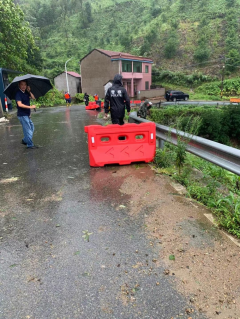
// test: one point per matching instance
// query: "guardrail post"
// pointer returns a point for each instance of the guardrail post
(131, 120)
(159, 143)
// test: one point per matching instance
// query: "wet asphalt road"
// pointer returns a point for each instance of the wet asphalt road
(47, 269)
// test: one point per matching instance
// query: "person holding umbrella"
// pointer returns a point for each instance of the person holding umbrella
(22, 88)
(22, 99)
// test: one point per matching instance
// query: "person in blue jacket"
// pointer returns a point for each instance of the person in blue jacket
(22, 99)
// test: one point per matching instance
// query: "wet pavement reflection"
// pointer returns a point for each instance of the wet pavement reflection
(47, 269)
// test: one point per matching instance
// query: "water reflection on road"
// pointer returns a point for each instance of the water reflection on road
(47, 269)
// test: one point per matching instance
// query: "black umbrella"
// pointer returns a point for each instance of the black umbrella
(39, 85)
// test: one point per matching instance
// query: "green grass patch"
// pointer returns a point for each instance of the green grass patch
(206, 183)
(219, 124)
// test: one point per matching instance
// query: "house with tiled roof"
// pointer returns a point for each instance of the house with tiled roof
(99, 66)
(74, 82)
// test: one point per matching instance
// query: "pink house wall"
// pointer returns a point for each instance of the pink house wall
(146, 76)
(139, 78)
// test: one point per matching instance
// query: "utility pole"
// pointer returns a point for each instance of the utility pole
(66, 74)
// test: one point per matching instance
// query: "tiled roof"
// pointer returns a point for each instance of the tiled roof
(117, 55)
(76, 75)
(111, 53)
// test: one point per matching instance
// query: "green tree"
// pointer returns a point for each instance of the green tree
(125, 39)
(16, 40)
(231, 37)
(171, 46)
(201, 53)
(155, 9)
(87, 15)
(151, 36)
(230, 3)
(88, 12)
(233, 60)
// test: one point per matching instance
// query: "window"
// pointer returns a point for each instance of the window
(137, 67)
(126, 66)
(147, 85)
(146, 69)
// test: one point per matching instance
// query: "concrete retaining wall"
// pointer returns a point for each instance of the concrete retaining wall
(150, 93)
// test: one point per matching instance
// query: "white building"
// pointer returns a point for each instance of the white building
(74, 82)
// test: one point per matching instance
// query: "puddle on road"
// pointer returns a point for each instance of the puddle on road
(106, 185)
(209, 273)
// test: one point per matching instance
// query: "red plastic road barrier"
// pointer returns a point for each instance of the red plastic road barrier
(121, 144)
(91, 103)
(235, 100)
(6, 105)
(137, 102)
(93, 106)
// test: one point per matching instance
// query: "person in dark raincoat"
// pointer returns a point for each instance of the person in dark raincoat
(118, 99)
(144, 109)
(86, 99)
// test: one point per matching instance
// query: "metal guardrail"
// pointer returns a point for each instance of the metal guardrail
(224, 156)
(197, 103)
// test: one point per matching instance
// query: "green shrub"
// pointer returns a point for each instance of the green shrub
(201, 54)
(180, 78)
(214, 127)
(170, 48)
(228, 211)
(200, 193)
(233, 118)
(163, 158)
(230, 87)
(214, 187)
(217, 124)
(80, 98)
(52, 98)
(233, 62)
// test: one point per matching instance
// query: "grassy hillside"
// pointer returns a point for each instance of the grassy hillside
(180, 35)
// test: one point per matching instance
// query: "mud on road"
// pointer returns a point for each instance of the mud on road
(206, 265)
(113, 242)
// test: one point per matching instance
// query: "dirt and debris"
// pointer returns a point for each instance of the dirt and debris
(206, 263)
